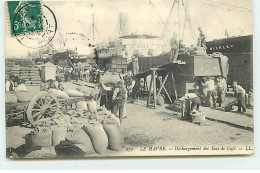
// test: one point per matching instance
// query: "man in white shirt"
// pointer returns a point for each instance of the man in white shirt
(195, 100)
(240, 94)
(9, 85)
(103, 94)
(190, 100)
(210, 87)
(21, 86)
(221, 89)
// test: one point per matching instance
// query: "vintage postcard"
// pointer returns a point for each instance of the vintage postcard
(112, 78)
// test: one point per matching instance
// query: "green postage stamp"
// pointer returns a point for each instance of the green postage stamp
(25, 17)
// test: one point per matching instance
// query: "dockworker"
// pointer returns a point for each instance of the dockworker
(174, 47)
(209, 86)
(135, 64)
(103, 94)
(240, 94)
(87, 73)
(51, 84)
(221, 89)
(9, 85)
(119, 98)
(181, 44)
(136, 89)
(130, 83)
(22, 86)
(98, 75)
(201, 39)
(60, 86)
(191, 100)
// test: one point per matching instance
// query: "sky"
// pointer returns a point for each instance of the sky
(145, 17)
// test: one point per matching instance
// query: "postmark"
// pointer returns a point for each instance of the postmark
(41, 39)
(25, 17)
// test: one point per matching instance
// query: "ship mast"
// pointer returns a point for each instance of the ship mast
(182, 21)
(93, 29)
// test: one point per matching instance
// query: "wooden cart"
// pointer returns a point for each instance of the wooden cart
(41, 106)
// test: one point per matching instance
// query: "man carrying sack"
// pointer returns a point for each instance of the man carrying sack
(119, 98)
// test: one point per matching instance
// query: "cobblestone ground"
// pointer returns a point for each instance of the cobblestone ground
(145, 127)
(161, 127)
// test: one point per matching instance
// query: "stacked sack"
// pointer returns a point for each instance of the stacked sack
(102, 127)
(78, 133)
(7, 73)
(50, 131)
(24, 75)
(30, 75)
(15, 71)
(35, 77)
(88, 91)
(198, 51)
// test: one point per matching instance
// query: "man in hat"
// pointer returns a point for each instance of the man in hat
(9, 85)
(119, 98)
(240, 94)
(209, 86)
(221, 89)
(201, 39)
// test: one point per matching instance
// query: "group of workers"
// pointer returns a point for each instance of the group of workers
(205, 93)
(15, 84)
(87, 74)
(177, 45)
(113, 98)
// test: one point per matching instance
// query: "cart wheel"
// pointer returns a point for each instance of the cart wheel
(42, 106)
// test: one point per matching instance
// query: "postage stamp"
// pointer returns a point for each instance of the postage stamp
(42, 38)
(25, 17)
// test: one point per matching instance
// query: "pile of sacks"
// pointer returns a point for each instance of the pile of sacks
(30, 75)
(197, 51)
(79, 92)
(21, 96)
(26, 96)
(78, 133)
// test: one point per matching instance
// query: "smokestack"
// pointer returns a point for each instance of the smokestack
(123, 24)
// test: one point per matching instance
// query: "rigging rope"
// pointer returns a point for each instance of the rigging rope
(205, 3)
(165, 37)
(229, 5)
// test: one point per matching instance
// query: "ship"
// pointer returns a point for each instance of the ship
(239, 50)
(116, 55)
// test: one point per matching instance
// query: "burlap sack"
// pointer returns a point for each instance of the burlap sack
(58, 134)
(110, 79)
(59, 93)
(74, 93)
(98, 137)
(78, 136)
(114, 136)
(42, 137)
(26, 96)
(10, 98)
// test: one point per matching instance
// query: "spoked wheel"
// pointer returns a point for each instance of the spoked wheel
(42, 106)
